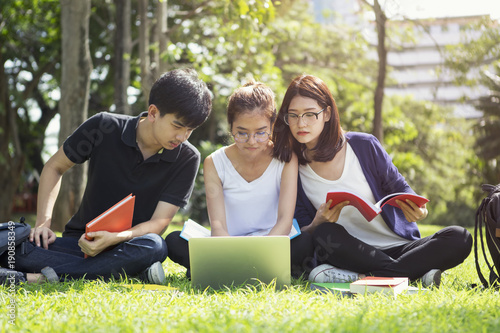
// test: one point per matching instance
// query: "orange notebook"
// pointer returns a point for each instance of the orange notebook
(115, 219)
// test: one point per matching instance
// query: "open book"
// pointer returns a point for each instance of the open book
(115, 219)
(386, 285)
(192, 229)
(369, 210)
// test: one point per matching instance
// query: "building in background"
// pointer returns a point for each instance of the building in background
(416, 66)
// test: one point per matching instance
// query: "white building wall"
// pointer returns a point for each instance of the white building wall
(417, 66)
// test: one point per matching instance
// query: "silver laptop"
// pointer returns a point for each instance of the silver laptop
(232, 261)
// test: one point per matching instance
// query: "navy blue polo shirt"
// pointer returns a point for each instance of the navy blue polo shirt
(116, 168)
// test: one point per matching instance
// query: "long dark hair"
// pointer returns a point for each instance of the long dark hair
(331, 139)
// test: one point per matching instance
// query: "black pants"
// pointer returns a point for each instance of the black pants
(301, 248)
(443, 250)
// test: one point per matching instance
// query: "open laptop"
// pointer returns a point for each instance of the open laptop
(232, 261)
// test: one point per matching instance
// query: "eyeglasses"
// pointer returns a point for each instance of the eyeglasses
(243, 137)
(308, 118)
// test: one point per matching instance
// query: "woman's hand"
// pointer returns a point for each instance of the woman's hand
(412, 212)
(326, 214)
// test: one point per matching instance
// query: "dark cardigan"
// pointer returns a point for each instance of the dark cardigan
(383, 178)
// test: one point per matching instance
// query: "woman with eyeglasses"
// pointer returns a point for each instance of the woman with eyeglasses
(346, 246)
(249, 192)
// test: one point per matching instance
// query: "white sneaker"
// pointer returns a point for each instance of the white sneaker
(432, 278)
(155, 273)
(328, 273)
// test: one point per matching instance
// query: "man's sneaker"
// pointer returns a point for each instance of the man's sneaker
(328, 273)
(432, 278)
(9, 276)
(50, 274)
(155, 274)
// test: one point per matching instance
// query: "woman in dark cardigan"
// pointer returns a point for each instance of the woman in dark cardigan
(346, 246)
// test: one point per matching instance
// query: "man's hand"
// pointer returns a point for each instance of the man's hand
(42, 235)
(101, 240)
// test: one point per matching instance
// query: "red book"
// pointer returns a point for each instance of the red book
(368, 209)
(115, 219)
(386, 285)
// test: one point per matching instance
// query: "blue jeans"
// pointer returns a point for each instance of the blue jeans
(65, 256)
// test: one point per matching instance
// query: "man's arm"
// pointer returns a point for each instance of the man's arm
(163, 214)
(50, 184)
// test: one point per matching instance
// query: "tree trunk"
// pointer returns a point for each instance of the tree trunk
(73, 106)
(162, 29)
(123, 50)
(144, 54)
(380, 20)
(11, 154)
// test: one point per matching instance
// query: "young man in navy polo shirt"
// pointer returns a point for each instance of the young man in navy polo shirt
(148, 156)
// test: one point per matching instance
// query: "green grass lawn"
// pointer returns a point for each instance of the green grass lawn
(96, 306)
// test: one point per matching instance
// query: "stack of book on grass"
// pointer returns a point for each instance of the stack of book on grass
(386, 285)
(371, 284)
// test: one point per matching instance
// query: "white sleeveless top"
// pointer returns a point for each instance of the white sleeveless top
(376, 232)
(251, 207)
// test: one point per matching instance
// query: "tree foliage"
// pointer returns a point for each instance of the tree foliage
(476, 60)
(227, 42)
(428, 145)
(478, 49)
(30, 44)
(488, 126)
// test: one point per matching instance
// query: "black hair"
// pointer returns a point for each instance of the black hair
(182, 93)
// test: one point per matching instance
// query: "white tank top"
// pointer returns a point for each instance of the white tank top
(251, 207)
